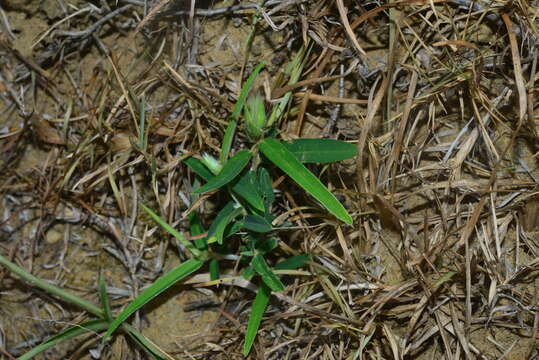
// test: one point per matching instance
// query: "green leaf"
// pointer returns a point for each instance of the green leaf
(293, 262)
(257, 311)
(266, 245)
(232, 229)
(196, 228)
(160, 285)
(227, 140)
(268, 276)
(172, 231)
(257, 224)
(231, 169)
(103, 296)
(198, 168)
(224, 217)
(246, 188)
(248, 272)
(278, 154)
(214, 269)
(83, 304)
(149, 347)
(236, 111)
(321, 150)
(265, 185)
(294, 69)
(89, 326)
(51, 289)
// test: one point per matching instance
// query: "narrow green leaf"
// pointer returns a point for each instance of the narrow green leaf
(268, 276)
(248, 272)
(223, 218)
(227, 140)
(265, 185)
(278, 154)
(89, 326)
(214, 269)
(236, 111)
(259, 307)
(51, 289)
(321, 150)
(293, 262)
(257, 224)
(172, 231)
(198, 168)
(294, 69)
(246, 188)
(233, 228)
(196, 228)
(264, 246)
(103, 296)
(231, 169)
(149, 347)
(160, 285)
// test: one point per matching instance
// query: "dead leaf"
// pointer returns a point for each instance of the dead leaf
(48, 133)
(389, 215)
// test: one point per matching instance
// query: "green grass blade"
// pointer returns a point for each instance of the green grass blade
(267, 245)
(196, 253)
(103, 296)
(160, 285)
(247, 188)
(265, 185)
(196, 228)
(259, 307)
(75, 300)
(149, 347)
(257, 224)
(214, 269)
(198, 168)
(51, 289)
(238, 107)
(227, 140)
(223, 218)
(293, 262)
(278, 154)
(230, 171)
(93, 326)
(236, 111)
(294, 69)
(268, 276)
(321, 150)
(248, 272)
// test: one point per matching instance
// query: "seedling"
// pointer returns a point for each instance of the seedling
(245, 178)
(242, 227)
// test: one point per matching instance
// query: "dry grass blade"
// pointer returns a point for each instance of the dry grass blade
(519, 79)
(348, 28)
(104, 105)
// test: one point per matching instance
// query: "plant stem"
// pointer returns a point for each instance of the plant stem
(52, 289)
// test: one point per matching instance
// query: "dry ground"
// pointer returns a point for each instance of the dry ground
(440, 97)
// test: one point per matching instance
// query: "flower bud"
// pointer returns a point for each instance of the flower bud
(211, 163)
(255, 117)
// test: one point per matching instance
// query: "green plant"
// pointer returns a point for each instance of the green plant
(245, 179)
(247, 216)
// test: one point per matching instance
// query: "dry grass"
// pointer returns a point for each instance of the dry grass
(440, 96)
